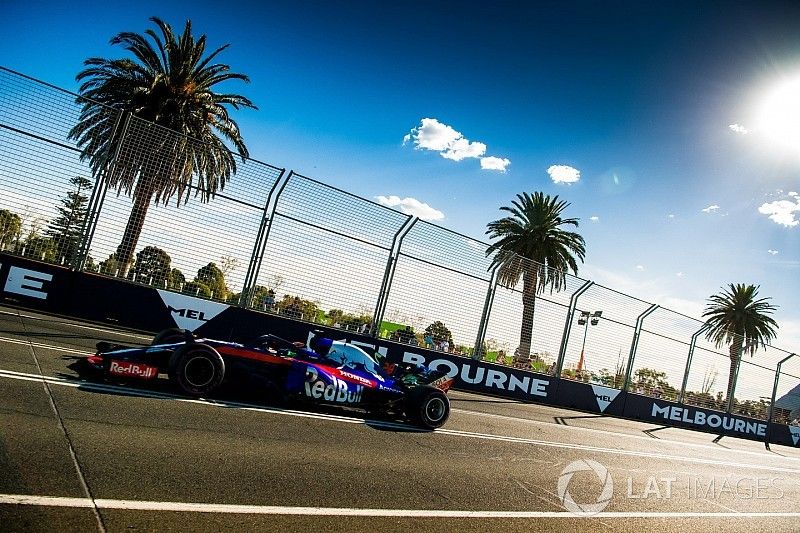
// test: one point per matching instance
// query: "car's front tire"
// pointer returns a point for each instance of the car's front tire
(196, 369)
(428, 407)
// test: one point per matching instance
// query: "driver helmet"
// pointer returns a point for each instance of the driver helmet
(321, 345)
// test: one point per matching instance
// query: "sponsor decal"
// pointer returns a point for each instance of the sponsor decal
(336, 391)
(27, 282)
(488, 377)
(795, 431)
(356, 377)
(443, 383)
(604, 396)
(189, 312)
(134, 370)
(697, 417)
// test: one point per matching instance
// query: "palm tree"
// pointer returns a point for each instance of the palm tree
(169, 84)
(737, 318)
(533, 246)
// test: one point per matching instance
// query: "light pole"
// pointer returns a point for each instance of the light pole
(586, 319)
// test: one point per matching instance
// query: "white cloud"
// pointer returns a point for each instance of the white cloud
(564, 174)
(494, 163)
(711, 208)
(594, 218)
(411, 206)
(782, 211)
(772, 252)
(738, 128)
(639, 267)
(679, 274)
(792, 193)
(451, 144)
(671, 215)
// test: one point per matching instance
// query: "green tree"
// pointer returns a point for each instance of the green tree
(176, 280)
(65, 230)
(39, 247)
(297, 307)
(197, 289)
(212, 277)
(533, 246)
(439, 332)
(10, 228)
(736, 317)
(110, 266)
(170, 81)
(152, 266)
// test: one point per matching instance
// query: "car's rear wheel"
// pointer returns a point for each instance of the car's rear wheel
(170, 336)
(197, 369)
(428, 407)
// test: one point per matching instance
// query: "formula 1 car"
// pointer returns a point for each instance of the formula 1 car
(325, 372)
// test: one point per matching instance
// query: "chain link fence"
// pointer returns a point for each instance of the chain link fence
(292, 245)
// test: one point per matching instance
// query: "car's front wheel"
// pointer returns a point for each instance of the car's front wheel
(197, 369)
(428, 407)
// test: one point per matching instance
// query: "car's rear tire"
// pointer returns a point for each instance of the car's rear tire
(170, 336)
(428, 407)
(196, 369)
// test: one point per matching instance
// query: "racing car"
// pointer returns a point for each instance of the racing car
(325, 372)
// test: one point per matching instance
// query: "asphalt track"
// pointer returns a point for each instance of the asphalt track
(83, 456)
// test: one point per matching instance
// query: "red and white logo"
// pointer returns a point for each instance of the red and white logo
(132, 370)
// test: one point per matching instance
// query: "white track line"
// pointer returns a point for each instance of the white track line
(80, 326)
(136, 505)
(618, 434)
(45, 346)
(394, 425)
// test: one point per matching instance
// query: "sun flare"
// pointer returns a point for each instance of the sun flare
(779, 115)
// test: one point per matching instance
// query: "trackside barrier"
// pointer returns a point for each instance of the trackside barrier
(53, 289)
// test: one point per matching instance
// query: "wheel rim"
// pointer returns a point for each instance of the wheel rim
(199, 371)
(435, 409)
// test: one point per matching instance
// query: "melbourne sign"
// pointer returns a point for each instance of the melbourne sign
(479, 376)
(708, 421)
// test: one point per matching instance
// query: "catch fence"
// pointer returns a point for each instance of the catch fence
(290, 244)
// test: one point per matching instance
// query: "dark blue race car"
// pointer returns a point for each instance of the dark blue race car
(326, 372)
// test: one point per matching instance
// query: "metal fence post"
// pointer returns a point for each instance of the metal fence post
(98, 195)
(635, 344)
(692, 345)
(388, 275)
(254, 266)
(477, 352)
(573, 303)
(772, 400)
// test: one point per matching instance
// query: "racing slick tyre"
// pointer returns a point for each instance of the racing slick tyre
(169, 336)
(197, 369)
(428, 407)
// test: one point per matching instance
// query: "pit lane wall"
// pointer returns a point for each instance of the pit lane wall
(52, 289)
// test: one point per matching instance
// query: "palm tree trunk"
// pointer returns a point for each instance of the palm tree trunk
(141, 202)
(528, 307)
(735, 352)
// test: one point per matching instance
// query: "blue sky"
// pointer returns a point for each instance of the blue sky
(639, 98)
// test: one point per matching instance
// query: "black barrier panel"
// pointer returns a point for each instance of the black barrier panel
(61, 291)
(685, 416)
(593, 398)
(36, 285)
(53, 289)
(480, 376)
